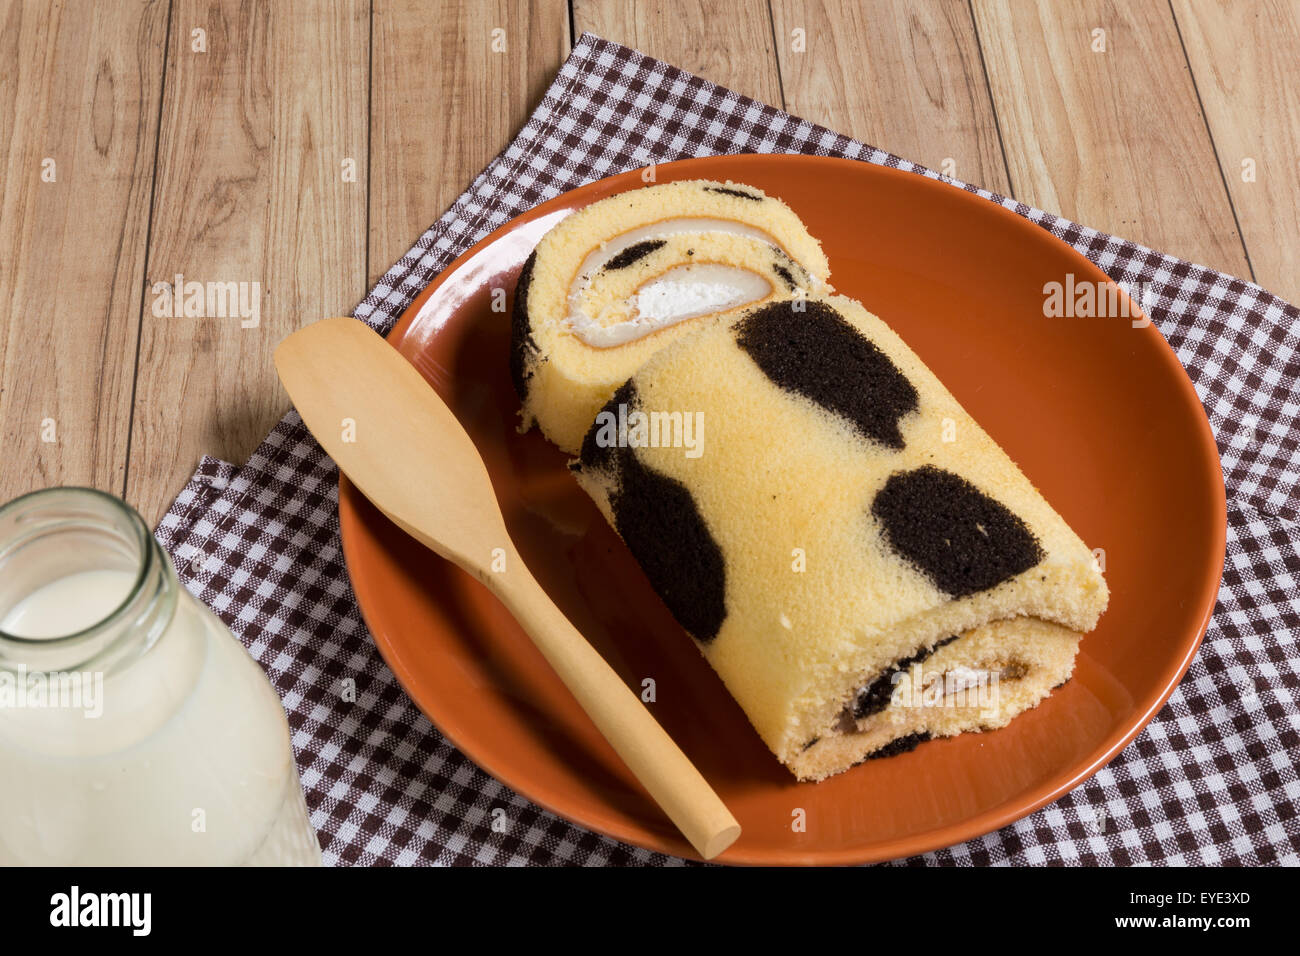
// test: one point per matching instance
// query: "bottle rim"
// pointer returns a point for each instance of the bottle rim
(148, 549)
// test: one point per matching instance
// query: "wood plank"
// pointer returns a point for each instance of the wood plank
(78, 86)
(902, 76)
(250, 189)
(729, 43)
(1243, 57)
(447, 95)
(1112, 139)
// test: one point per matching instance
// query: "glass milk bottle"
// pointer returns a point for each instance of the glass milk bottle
(134, 728)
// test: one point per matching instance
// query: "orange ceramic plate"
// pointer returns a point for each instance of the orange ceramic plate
(1100, 416)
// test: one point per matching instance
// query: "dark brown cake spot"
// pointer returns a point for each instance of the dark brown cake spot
(635, 252)
(593, 454)
(902, 745)
(1016, 670)
(784, 275)
(523, 348)
(738, 193)
(816, 353)
(960, 538)
(875, 696)
(657, 518)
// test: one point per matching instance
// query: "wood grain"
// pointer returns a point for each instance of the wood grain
(447, 95)
(903, 76)
(248, 185)
(78, 86)
(1244, 59)
(1112, 139)
(728, 43)
(250, 189)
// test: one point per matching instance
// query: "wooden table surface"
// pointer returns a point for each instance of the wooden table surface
(305, 145)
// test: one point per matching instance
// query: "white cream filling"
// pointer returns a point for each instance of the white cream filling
(683, 292)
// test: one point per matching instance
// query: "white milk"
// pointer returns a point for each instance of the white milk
(69, 604)
(187, 762)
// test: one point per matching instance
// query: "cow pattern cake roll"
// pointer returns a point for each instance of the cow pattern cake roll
(616, 281)
(836, 530)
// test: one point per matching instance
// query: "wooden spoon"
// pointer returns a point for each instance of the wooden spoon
(405, 451)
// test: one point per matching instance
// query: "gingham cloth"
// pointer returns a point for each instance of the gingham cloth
(1213, 778)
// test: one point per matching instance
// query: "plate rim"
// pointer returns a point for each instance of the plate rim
(615, 825)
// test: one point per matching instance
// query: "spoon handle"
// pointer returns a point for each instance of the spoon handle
(618, 713)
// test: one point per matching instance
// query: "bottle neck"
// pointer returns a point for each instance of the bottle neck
(49, 536)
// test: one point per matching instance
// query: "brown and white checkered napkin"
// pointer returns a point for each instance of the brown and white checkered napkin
(1212, 780)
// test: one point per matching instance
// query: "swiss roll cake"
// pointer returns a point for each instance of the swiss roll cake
(862, 565)
(626, 276)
